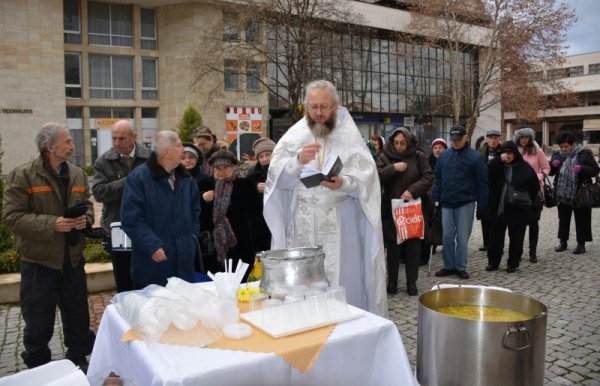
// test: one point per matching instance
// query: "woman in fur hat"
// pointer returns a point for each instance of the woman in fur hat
(524, 138)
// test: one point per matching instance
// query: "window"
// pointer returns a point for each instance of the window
(253, 77)
(71, 21)
(575, 71)
(230, 26)
(232, 75)
(75, 125)
(148, 33)
(253, 32)
(111, 77)
(115, 112)
(72, 75)
(594, 69)
(557, 73)
(110, 24)
(149, 79)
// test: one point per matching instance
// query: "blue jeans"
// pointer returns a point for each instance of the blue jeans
(457, 225)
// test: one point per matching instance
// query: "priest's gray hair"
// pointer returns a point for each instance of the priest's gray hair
(164, 140)
(48, 134)
(321, 84)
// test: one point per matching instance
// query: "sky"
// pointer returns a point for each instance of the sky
(584, 37)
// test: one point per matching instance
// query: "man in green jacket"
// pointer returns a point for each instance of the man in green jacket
(47, 206)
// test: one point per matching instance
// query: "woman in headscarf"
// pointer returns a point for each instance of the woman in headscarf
(524, 138)
(206, 141)
(192, 160)
(263, 148)
(405, 174)
(572, 165)
(509, 171)
(228, 206)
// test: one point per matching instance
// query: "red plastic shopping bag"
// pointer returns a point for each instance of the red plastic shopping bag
(408, 218)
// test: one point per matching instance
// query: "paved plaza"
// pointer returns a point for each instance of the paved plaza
(569, 285)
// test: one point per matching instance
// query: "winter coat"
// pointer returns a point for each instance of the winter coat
(109, 181)
(461, 177)
(155, 216)
(32, 204)
(523, 178)
(243, 209)
(487, 153)
(585, 158)
(538, 162)
(417, 179)
(260, 231)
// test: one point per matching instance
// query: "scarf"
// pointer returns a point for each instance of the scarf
(223, 234)
(566, 185)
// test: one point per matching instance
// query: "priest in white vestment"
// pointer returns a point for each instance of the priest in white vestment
(344, 214)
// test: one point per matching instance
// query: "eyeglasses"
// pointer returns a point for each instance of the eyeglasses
(323, 108)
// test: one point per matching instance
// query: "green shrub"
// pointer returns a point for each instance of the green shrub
(94, 252)
(89, 170)
(10, 261)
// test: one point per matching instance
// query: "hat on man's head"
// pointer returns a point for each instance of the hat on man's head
(457, 133)
(261, 145)
(493, 132)
(222, 157)
(439, 141)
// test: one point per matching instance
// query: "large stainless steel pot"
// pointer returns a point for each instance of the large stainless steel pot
(289, 270)
(456, 351)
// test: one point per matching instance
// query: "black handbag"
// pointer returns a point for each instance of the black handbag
(549, 193)
(517, 198)
(588, 195)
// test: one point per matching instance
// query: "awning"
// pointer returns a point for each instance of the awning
(591, 124)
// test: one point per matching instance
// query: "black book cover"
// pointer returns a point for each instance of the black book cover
(330, 169)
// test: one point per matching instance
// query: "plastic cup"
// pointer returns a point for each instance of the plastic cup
(256, 301)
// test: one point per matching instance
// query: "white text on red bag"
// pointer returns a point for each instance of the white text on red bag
(408, 218)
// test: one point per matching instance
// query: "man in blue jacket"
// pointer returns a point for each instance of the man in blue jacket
(161, 215)
(461, 179)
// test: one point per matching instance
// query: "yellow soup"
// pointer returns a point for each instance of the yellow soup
(483, 313)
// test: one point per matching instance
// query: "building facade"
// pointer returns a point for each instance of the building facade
(89, 63)
(581, 75)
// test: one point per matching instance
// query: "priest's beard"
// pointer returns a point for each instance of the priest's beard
(322, 129)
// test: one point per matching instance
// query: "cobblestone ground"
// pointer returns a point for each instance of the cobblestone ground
(567, 284)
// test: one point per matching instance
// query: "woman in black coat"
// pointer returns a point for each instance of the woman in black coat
(501, 214)
(228, 207)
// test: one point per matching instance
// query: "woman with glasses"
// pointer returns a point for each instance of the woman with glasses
(404, 174)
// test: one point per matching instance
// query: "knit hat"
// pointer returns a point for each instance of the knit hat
(524, 132)
(261, 145)
(222, 157)
(191, 148)
(439, 141)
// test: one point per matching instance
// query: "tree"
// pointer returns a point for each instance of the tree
(506, 39)
(191, 120)
(292, 41)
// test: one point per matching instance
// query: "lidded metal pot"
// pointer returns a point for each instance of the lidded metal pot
(290, 270)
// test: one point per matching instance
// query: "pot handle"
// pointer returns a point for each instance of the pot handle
(518, 331)
(451, 281)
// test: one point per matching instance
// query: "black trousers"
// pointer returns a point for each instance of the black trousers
(42, 289)
(516, 236)
(410, 250)
(534, 234)
(485, 232)
(583, 223)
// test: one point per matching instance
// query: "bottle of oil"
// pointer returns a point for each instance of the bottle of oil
(256, 273)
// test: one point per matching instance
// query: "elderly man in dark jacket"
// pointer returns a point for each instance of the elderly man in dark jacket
(460, 180)
(160, 213)
(112, 169)
(46, 205)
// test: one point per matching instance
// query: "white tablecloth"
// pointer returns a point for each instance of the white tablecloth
(364, 351)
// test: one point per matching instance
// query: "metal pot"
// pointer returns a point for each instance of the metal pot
(289, 270)
(457, 351)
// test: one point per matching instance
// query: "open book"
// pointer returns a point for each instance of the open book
(312, 177)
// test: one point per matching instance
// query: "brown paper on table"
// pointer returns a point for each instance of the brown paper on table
(299, 350)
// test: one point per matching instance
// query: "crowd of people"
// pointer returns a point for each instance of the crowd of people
(187, 208)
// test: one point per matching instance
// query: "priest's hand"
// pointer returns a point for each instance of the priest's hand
(308, 153)
(335, 184)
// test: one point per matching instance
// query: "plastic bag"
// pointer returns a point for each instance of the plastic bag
(408, 218)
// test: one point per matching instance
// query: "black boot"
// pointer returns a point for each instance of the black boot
(392, 288)
(411, 289)
(579, 249)
(393, 266)
(561, 246)
(532, 257)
